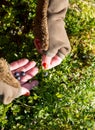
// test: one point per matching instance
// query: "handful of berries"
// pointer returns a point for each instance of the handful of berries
(18, 75)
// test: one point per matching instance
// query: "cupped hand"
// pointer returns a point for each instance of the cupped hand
(30, 69)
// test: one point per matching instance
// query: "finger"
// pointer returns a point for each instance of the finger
(16, 64)
(26, 67)
(29, 74)
(24, 91)
(51, 62)
(30, 85)
(46, 60)
(56, 60)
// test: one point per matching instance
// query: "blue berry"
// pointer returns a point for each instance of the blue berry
(22, 73)
(18, 78)
(16, 74)
(45, 74)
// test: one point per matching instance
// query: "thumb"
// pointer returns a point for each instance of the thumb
(24, 92)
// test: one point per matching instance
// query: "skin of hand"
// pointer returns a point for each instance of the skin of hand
(30, 69)
(49, 61)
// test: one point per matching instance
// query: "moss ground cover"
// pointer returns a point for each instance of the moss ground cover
(65, 97)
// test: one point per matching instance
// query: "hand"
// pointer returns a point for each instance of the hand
(47, 62)
(50, 62)
(30, 69)
(53, 44)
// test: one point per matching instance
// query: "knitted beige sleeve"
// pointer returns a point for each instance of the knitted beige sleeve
(9, 86)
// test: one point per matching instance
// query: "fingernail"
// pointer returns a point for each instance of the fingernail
(27, 94)
(45, 65)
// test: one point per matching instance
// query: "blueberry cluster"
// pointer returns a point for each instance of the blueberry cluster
(18, 75)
